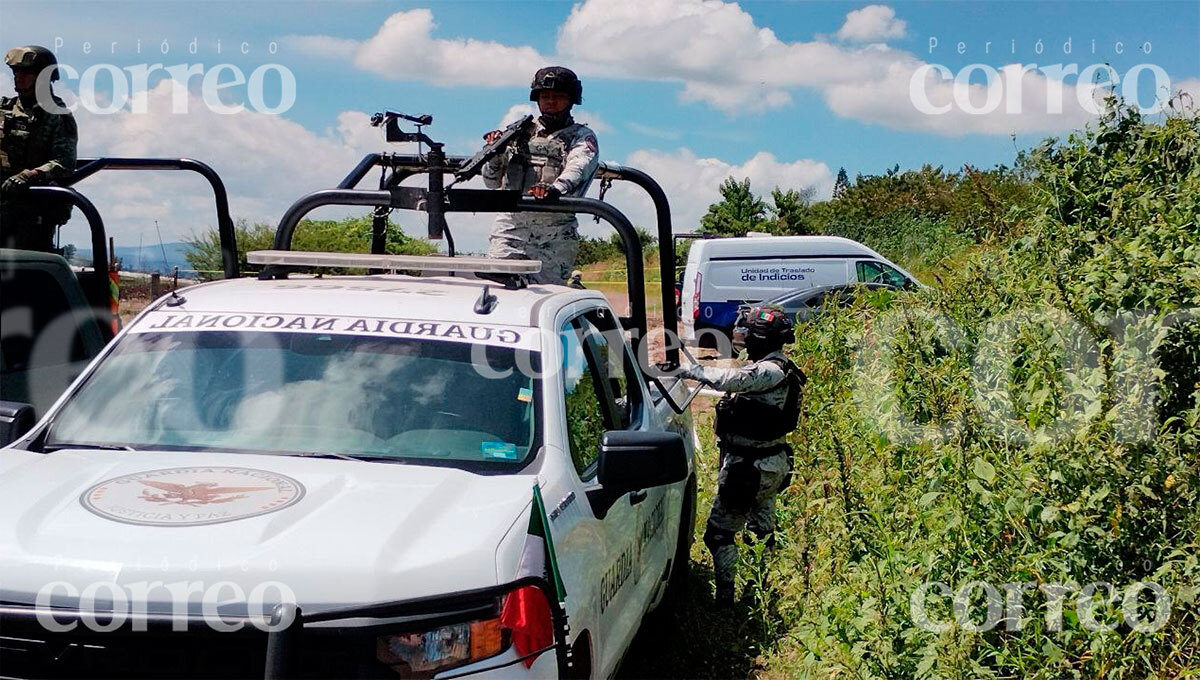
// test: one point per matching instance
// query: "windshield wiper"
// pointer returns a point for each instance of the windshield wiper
(59, 446)
(344, 456)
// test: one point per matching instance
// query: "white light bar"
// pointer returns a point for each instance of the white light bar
(490, 265)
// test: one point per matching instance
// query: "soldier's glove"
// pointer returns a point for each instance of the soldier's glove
(19, 181)
(544, 192)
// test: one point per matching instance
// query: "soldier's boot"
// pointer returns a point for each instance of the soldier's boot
(720, 543)
(509, 281)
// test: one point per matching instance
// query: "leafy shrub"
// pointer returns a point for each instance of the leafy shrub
(904, 478)
(350, 235)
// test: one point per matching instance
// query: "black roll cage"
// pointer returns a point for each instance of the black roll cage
(86, 167)
(96, 287)
(438, 200)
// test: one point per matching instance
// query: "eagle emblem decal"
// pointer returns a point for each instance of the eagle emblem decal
(194, 496)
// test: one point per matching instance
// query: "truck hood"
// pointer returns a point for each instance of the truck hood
(333, 532)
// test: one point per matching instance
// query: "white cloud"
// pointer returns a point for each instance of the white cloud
(888, 100)
(691, 183)
(515, 113)
(714, 48)
(718, 54)
(1191, 89)
(404, 49)
(265, 161)
(872, 23)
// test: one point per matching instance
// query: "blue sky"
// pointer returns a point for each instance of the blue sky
(691, 91)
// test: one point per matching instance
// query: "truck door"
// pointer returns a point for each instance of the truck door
(603, 391)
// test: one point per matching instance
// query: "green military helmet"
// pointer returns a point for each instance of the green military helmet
(768, 324)
(32, 58)
(559, 79)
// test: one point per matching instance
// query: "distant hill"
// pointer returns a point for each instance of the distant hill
(148, 259)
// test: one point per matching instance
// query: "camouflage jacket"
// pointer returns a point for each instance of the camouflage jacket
(764, 379)
(33, 138)
(566, 158)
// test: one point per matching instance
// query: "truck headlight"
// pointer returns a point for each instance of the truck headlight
(525, 623)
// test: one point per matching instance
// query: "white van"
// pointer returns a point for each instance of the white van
(723, 273)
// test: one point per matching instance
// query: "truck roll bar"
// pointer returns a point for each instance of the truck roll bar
(477, 200)
(97, 294)
(86, 167)
(403, 166)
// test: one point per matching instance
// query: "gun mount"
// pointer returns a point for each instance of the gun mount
(436, 199)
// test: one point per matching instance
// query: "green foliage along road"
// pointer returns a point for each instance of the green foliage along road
(349, 235)
(1032, 419)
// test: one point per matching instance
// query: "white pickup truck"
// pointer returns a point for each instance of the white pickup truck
(348, 476)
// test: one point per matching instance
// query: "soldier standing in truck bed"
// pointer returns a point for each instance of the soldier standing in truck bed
(37, 146)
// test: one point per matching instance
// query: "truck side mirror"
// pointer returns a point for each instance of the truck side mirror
(15, 420)
(633, 460)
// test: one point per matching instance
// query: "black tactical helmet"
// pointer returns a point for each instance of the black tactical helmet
(768, 324)
(559, 79)
(32, 58)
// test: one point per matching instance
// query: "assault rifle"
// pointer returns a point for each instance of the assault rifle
(513, 133)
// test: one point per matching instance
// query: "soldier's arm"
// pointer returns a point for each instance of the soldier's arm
(64, 140)
(493, 172)
(582, 160)
(753, 377)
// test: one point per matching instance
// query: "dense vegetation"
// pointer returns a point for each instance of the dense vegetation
(349, 235)
(1033, 418)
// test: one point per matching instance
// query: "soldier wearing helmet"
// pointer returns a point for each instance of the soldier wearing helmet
(37, 146)
(560, 159)
(760, 407)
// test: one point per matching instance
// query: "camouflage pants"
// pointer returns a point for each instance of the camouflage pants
(746, 490)
(553, 239)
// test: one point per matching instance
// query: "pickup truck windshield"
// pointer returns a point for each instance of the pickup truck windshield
(417, 401)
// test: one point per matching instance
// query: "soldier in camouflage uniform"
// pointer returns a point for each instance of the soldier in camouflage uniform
(36, 146)
(560, 160)
(753, 419)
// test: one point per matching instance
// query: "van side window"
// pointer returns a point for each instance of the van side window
(870, 271)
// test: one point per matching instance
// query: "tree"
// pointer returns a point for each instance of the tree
(349, 235)
(842, 184)
(790, 209)
(738, 211)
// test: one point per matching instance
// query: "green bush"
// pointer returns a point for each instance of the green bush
(904, 479)
(350, 235)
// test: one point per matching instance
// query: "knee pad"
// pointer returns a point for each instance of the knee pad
(716, 537)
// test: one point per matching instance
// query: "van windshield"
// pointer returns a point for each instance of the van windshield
(403, 400)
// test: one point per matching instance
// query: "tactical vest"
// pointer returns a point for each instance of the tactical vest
(20, 144)
(540, 162)
(740, 416)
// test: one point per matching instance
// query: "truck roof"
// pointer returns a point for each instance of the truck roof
(433, 298)
(783, 246)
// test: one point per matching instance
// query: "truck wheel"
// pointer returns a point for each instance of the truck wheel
(677, 582)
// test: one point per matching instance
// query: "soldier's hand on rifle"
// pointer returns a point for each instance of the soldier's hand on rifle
(492, 136)
(544, 192)
(19, 181)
